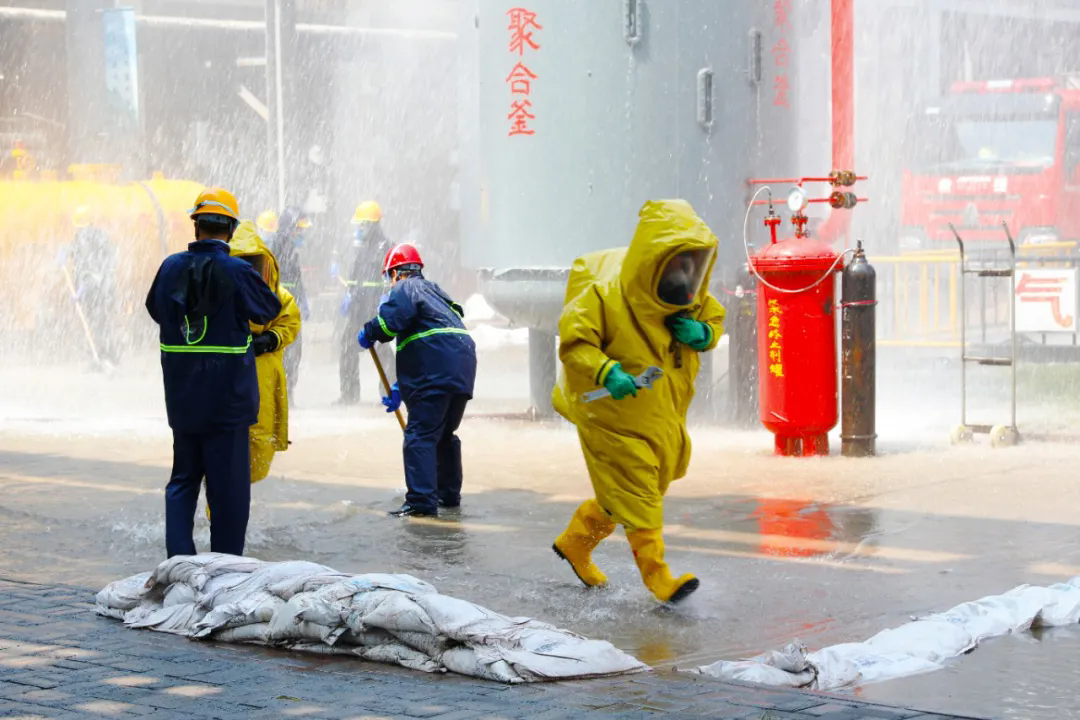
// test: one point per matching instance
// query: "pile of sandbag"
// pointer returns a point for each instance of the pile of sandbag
(917, 647)
(384, 618)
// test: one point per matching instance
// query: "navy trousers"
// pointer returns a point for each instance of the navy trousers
(223, 457)
(433, 451)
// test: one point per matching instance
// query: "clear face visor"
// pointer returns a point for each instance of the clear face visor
(261, 265)
(683, 275)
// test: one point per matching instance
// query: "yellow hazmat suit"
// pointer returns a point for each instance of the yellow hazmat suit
(270, 433)
(634, 447)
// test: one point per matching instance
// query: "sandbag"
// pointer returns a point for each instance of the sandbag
(256, 633)
(400, 655)
(119, 596)
(379, 617)
(916, 647)
(479, 662)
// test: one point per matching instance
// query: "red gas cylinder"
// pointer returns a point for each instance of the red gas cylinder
(797, 361)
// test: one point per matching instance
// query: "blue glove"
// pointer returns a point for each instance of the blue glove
(620, 383)
(365, 342)
(393, 402)
(691, 332)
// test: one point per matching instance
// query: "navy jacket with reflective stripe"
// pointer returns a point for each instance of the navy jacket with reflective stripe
(434, 350)
(203, 300)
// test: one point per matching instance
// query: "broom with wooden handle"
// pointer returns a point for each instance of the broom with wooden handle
(386, 384)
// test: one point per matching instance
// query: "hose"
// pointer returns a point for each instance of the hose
(750, 263)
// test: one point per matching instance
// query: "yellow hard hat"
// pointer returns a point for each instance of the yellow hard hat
(303, 223)
(267, 220)
(81, 217)
(367, 211)
(216, 201)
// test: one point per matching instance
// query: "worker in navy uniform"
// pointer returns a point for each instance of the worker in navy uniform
(203, 300)
(364, 290)
(436, 371)
(288, 240)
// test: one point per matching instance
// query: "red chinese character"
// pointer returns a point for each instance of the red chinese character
(780, 91)
(781, 9)
(521, 116)
(780, 53)
(1044, 289)
(520, 79)
(521, 20)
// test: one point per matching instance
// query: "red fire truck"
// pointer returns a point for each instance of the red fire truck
(987, 152)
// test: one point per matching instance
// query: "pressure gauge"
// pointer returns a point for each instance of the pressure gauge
(796, 200)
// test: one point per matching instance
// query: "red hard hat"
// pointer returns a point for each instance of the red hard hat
(399, 255)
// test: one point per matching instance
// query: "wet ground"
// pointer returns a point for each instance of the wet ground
(824, 550)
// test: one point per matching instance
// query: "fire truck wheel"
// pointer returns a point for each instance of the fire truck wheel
(961, 434)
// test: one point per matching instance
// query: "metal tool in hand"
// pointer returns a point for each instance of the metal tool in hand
(642, 381)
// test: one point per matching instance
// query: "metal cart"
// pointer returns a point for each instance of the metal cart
(1000, 435)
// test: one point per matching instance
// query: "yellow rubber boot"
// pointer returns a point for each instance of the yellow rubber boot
(648, 547)
(587, 528)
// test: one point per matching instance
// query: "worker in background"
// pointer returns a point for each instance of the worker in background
(436, 370)
(267, 226)
(288, 241)
(627, 309)
(205, 302)
(364, 290)
(94, 276)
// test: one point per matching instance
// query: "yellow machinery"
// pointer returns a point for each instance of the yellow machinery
(144, 220)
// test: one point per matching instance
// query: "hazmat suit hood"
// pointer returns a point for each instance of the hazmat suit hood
(666, 229)
(247, 244)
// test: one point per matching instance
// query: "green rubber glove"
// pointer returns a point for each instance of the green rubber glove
(620, 383)
(691, 332)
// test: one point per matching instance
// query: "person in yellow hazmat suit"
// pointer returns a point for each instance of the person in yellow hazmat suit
(270, 433)
(627, 309)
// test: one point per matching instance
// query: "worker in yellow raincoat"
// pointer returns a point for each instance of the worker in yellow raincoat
(270, 433)
(628, 309)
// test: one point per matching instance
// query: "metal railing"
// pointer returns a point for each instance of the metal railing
(918, 294)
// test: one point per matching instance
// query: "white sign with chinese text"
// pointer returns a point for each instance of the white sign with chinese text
(1046, 300)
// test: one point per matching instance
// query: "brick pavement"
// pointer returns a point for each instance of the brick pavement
(59, 660)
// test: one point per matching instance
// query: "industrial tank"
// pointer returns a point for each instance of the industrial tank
(575, 113)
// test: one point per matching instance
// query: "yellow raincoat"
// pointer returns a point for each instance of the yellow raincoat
(634, 447)
(270, 433)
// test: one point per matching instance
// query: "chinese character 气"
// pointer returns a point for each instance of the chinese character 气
(520, 79)
(1044, 289)
(521, 22)
(781, 10)
(780, 91)
(521, 116)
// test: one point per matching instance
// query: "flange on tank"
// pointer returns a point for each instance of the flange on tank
(576, 113)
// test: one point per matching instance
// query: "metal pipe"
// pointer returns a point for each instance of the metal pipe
(19, 13)
(843, 107)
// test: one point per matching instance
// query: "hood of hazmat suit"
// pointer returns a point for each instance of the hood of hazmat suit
(271, 432)
(635, 447)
